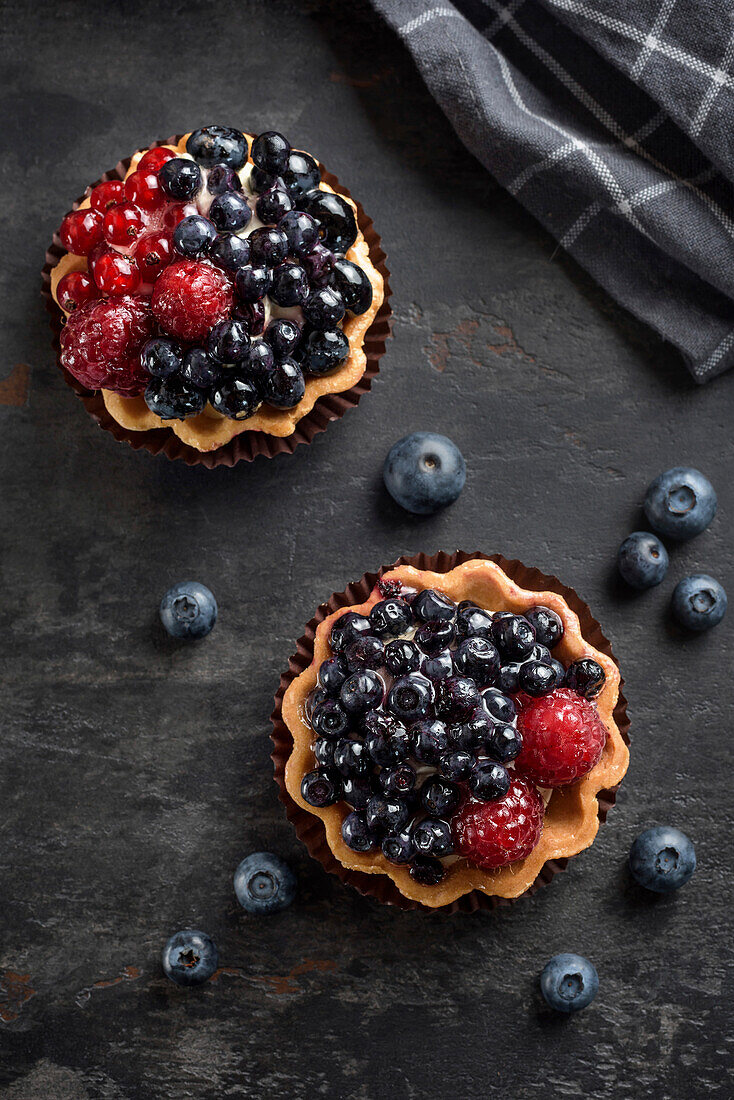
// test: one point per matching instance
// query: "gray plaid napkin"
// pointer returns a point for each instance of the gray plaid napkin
(612, 121)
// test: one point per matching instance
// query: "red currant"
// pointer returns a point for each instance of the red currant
(107, 194)
(81, 231)
(75, 289)
(154, 159)
(122, 224)
(116, 274)
(174, 214)
(152, 253)
(144, 190)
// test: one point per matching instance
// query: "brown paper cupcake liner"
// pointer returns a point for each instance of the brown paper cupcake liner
(247, 445)
(310, 829)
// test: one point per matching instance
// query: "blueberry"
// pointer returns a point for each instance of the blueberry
(270, 151)
(188, 610)
(230, 212)
(193, 236)
(537, 678)
(426, 871)
(560, 672)
(357, 834)
(324, 351)
(319, 264)
(253, 283)
(662, 859)
(548, 626)
(283, 336)
(172, 398)
(386, 813)
(257, 364)
(323, 751)
(586, 677)
(314, 699)
(432, 837)
(161, 357)
(456, 698)
(392, 617)
(353, 285)
(642, 560)
(400, 779)
(489, 781)
(190, 957)
(357, 790)
(680, 503)
(424, 472)
(514, 637)
(387, 725)
(499, 705)
(301, 231)
(538, 653)
(440, 665)
(235, 397)
(180, 178)
(362, 691)
(212, 145)
(321, 787)
(332, 674)
(698, 602)
(273, 204)
(509, 677)
(430, 605)
(324, 308)
(199, 369)
(285, 385)
(290, 285)
(430, 740)
(335, 217)
(473, 732)
(264, 883)
(439, 796)
(230, 251)
(222, 178)
(398, 847)
(386, 750)
(435, 636)
(329, 718)
(569, 983)
(351, 757)
(478, 658)
(457, 765)
(228, 341)
(268, 246)
(365, 652)
(300, 175)
(411, 697)
(503, 742)
(347, 628)
(473, 622)
(252, 313)
(402, 656)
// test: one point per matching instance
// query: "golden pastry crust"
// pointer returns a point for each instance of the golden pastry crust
(210, 430)
(571, 818)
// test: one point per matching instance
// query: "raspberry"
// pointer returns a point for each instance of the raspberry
(563, 738)
(493, 834)
(101, 342)
(189, 298)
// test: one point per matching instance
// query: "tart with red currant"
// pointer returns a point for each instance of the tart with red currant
(221, 287)
(454, 732)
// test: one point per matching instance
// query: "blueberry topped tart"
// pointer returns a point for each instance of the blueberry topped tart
(453, 732)
(221, 287)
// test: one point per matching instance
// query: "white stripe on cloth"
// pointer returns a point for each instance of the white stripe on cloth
(427, 17)
(717, 354)
(662, 17)
(713, 89)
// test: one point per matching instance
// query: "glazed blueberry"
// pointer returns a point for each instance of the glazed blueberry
(537, 678)
(435, 636)
(273, 204)
(357, 790)
(440, 665)
(324, 308)
(538, 653)
(324, 351)
(229, 251)
(499, 705)
(509, 677)
(353, 285)
(252, 313)
(357, 834)
(323, 751)
(338, 226)
(503, 743)
(432, 837)
(456, 698)
(329, 719)
(290, 285)
(560, 672)
(228, 341)
(362, 691)
(253, 283)
(548, 626)
(457, 765)
(478, 658)
(426, 871)
(402, 656)
(161, 357)
(411, 697)
(642, 560)
(285, 385)
(424, 472)
(680, 503)
(366, 652)
(473, 732)
(264, 884)
(314, 699)
(473, 622)
(172, 398)
(235, 397)
(430, 740)
(222, 178)
(319, 264)
(268, 246)
(430, 605)
(300, 176)
(351, 757)
(662, 859)
(489, 781)
(386, 813)
(188, 610)
(387, 725)
(586, 677)
(212, 145)
(390, 618)
(230, 212)
(569, 983)
(347, 628)
(514, 637)
(388, 751)
(301, 231)
(283, 336)
(321, 787)
(399, 847)
(194, 236)
(270, 151)
(332, 674)
(179, 178)
(190, 957)
(439, 796)
(257, 363)
(699, 602)
(398, 780)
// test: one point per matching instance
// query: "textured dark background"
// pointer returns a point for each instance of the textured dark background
(136, 773)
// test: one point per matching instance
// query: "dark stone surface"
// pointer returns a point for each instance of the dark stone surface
(135, 772)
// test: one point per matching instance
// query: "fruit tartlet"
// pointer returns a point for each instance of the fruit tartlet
(454, 732)
(221, 287)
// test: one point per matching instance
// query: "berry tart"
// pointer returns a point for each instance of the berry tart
(455, 734)
(219, 286)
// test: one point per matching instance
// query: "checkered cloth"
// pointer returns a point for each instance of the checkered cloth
(612, 121)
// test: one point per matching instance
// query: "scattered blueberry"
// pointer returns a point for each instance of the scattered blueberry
(698, 602)
(188, 610)
(386, 813)
(569, 983)
(680, 503)
(300, 176)
(499, 705)
(399, 847)
(391, 617)
(329, 718)
(514, 637)
(537, 678)
(264, 883)
(424, 472)
(357, 790)
(410, 697)
(426, 870)
(253, 283)
(430, 604)
(503, 743)
(319, 264)
(642, 560)
(398, 780)
(347, 628)
(430, 740)
(456, 698)
(662, 859)
(351, 757)
(432, 837)
(190, 957)
(402, 656)
(362, 691)
(268, 246)
(365, 652)
(439, 796)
